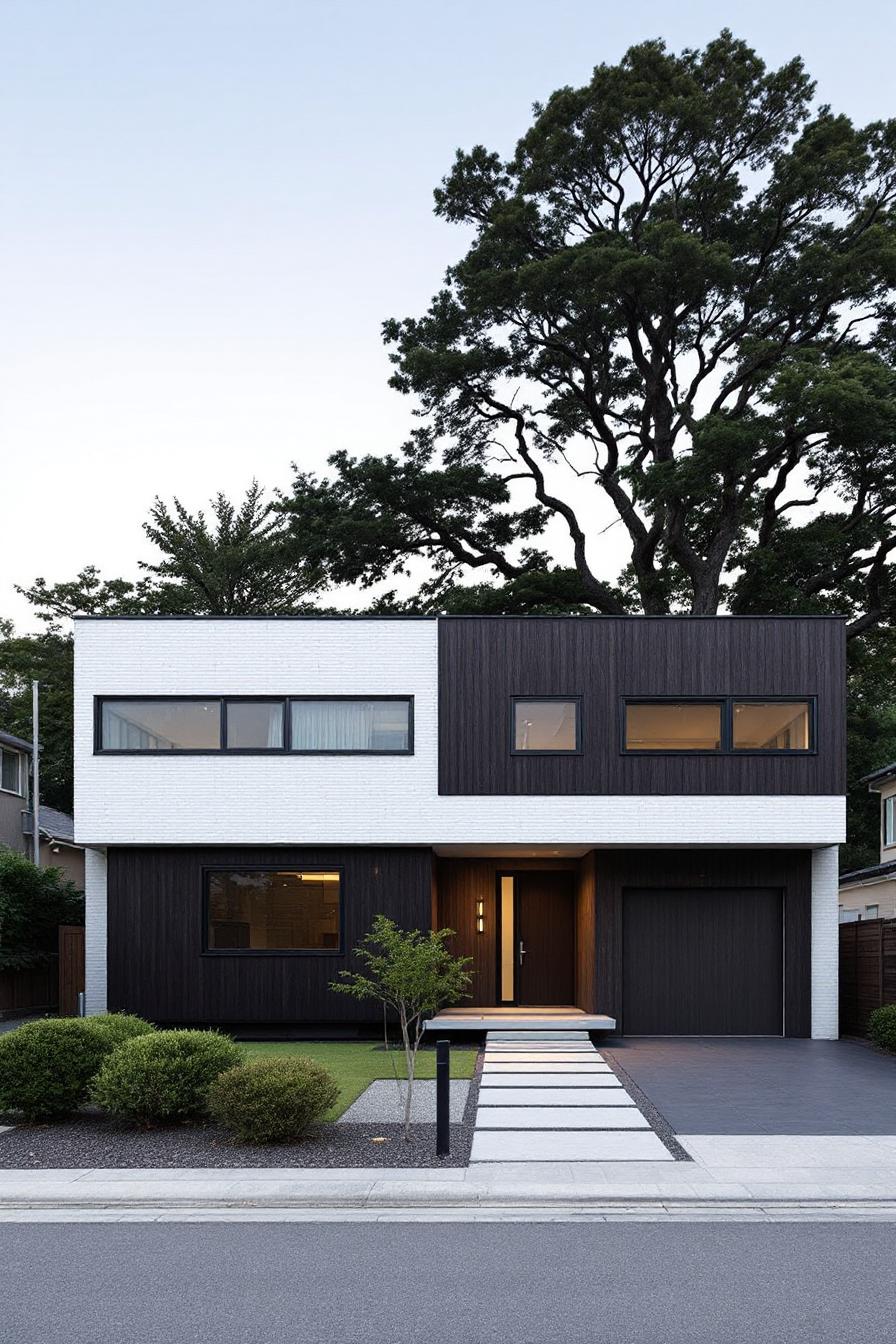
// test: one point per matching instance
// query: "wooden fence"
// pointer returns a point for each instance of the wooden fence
(867, 971)
(24, 992)
(51, 988)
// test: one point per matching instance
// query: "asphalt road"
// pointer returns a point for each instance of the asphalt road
(377, 1283)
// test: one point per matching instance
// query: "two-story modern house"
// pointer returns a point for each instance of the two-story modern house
(870, 893)
(638, 817)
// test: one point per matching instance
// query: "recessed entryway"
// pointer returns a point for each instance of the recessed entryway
(536, 912)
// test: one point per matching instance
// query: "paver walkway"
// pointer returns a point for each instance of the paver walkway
(551, 1097)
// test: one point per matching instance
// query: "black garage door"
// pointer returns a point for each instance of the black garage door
(702, 962)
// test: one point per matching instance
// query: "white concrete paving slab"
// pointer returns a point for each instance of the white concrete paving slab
(551, 1057)
(545, 1066)
(556, 1146)
(553, 1096)
(560, 1117)
(498, 1078)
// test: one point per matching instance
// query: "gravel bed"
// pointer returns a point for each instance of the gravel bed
(657, 1121)
(95, 1141)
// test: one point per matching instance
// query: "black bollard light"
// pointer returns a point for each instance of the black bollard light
(443, 1095)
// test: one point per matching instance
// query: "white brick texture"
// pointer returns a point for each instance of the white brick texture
(825, 945)
(95, 930)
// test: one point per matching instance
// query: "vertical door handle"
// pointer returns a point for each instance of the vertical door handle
(522, 951)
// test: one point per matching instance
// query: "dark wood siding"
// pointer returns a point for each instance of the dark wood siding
(155, 962)
(788, 871)
(483, 662)
(704, 962)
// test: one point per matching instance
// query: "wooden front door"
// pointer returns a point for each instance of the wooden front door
(545, 932)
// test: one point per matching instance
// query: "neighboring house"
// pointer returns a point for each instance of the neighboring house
(57, 829)
(15, 776)
(638, 816)
(870, 893)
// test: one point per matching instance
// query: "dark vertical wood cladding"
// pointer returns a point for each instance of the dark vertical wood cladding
(155, 962)
(483, 662)
(788, 871)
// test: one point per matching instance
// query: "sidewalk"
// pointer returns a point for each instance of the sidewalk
(750, 1176)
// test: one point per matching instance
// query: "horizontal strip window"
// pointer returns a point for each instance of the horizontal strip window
(546, 725)
(378, 725)
(729, 725)
(255, 911)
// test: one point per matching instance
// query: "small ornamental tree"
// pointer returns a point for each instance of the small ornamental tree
(413, 975)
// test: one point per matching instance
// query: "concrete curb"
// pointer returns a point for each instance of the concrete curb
(560, 1210)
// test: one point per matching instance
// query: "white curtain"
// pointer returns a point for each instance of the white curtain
(333, 725)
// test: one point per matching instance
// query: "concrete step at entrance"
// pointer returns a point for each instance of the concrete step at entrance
(538, 1035)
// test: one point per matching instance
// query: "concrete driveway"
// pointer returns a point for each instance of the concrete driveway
(716, 1085)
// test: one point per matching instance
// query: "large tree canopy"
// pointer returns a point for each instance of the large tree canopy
(677, 306)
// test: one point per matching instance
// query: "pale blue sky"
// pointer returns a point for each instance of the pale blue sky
(208, 207)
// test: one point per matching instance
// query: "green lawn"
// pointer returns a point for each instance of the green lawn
(357, 1063)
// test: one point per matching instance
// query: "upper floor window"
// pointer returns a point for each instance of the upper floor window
(673, 725)
(380, 725)
(160, 725)
(754, 725)
(272, 910)
(771, 725)
(890, 821)
(376, 725)
(546, 724)
(11, 772)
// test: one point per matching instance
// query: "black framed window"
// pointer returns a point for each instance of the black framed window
(254, 725)
(279, 910)
(381, 725)
(164, 724)
(727, 725)
(771, 725)
(11, 772)
(546, 725)
(344, 725)
(673, 725)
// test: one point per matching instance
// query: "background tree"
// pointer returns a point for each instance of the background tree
(677, 303)
(674, 324)
(33, 903)
(242, 560)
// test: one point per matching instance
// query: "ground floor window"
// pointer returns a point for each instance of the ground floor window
(268, 910)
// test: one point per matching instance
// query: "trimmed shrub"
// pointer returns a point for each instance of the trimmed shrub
(882, 1026)
(116, 1028)
(46, 1067)
(272, 1100)
(163, 1076)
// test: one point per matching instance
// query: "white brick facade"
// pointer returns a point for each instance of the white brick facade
(825, 945)
(95, 929)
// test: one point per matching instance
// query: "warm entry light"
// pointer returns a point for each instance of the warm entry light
(480, 916)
